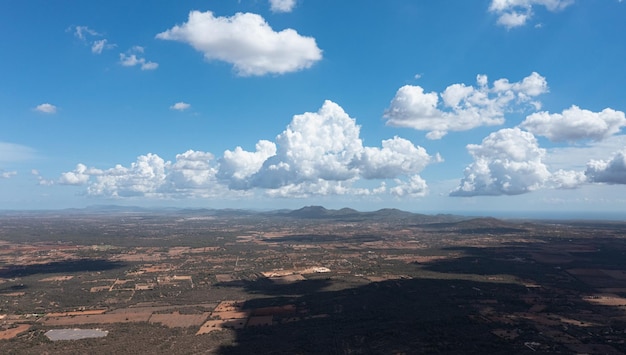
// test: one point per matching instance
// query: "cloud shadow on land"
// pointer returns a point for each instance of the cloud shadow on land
(399, 316)
(497, 300)
(276, 287)
(66, 266)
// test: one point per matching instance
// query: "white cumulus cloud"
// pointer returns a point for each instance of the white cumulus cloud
(612, 171)
(415, 186)
(40, 179)
(514, 18)
(180, 106)
(82, 32)
(516, 13)
(282, 5)
(462, 107)
(575, 124)
(79, 176)
(238, 165)
(397, 156)
(319, 153)
(98, 46)
(247, 41)
(133, 57)
(86, 36)
(143, 178)
(46, 108)
(567, 179)
(507, 162)
(315, 145)
(192, 174)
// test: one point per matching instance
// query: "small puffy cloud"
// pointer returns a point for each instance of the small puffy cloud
(98, 46)
(282, 5)
(462, 107)
(133, 57)
(575, 124)
(516, 13)
(86, 36)
(180, 106)
(506, 5)
(513, 19)
(40, 179)
(7, 174)
(130, 60)
(80, 175)
(612, 171)
(507, 162)
(247, 41)
(81, 32)
(46, 108)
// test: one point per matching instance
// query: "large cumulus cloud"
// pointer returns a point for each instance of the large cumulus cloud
(143, 178)
(462, 107)
(510, 162)
(247, 41)
(192, 174)
(507, 162)
(319, 153)
(322, 153)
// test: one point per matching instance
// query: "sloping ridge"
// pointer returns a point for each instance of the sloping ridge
(321, 212)
(386, 214)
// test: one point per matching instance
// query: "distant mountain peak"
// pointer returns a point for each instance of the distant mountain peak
(310, 212)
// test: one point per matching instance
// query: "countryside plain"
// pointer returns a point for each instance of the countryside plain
(110, 280)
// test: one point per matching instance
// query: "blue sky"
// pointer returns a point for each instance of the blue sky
(506, 107)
